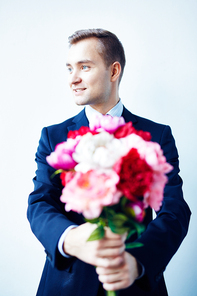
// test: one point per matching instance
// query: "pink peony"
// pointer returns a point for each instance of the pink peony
(106, 123)
(154, 196)
(88, 193)
(62, 158)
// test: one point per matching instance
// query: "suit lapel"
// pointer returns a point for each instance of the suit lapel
(81, 119)
(78, 121)
(128, 116)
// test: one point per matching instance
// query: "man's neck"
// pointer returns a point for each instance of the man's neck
(104, 109)
(115, 111)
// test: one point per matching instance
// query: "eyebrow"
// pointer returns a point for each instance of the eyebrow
(82, 62)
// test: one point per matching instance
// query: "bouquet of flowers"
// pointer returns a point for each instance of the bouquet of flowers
(111, 173)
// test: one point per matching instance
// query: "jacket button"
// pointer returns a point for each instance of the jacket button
(158, 277)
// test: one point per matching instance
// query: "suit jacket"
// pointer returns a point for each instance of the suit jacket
(48, 219)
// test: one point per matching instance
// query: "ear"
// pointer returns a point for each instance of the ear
(115, 71)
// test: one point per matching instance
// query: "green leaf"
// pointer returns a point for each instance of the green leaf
(138, 226)
(123, 201)
(109, 212)
(97, 234)
(134, 245)
(94, 221)
(119, 219)
(118, 230)
(117, 223)
(131, 232)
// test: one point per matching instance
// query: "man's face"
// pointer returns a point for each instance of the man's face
(89, 78)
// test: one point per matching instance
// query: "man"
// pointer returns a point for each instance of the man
(95, 64)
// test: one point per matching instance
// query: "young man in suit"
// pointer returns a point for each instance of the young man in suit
(95, 64)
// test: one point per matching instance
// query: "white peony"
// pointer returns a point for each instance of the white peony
(100, 151)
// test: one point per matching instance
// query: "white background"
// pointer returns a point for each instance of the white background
(159, 83)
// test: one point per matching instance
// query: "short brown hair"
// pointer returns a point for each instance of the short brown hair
(111, 50)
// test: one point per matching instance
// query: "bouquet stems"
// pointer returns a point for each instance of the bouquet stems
(111, 293)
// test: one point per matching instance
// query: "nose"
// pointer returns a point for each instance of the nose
(74, 78)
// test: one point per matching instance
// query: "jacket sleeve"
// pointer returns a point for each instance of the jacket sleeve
(45, 212)
(165, 233)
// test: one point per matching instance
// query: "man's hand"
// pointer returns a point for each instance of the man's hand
(120, 276)
(116, 268)
(107, 252)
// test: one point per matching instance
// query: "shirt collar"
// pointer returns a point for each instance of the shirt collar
(115, 111)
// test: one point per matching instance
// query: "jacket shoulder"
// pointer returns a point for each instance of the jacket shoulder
(68, 122)
(57, 133)
(140, 123)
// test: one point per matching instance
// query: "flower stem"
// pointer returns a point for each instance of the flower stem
(111, 293)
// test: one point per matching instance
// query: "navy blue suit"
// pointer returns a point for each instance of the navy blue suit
(48, 219)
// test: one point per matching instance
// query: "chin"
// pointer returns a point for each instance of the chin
(80, 103)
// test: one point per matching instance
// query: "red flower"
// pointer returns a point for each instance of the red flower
(82, 131)
(146, 136)
(135, 175)
(66, 177)
(127, 129)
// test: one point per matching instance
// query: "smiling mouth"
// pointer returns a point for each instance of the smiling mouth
(78, 89)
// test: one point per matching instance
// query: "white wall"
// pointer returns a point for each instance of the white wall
(159, 83)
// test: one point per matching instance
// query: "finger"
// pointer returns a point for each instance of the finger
(111, 251)
(109, 262)
(115, 286)
(111, 235)
(106, 270)
(124, 237)
(115, 282)
(110, 278)
(110, 242)
(114, 278)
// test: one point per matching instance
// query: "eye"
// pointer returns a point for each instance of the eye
(85, 67)
(69, 69)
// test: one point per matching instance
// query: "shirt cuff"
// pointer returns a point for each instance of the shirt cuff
(61, 241)
(141, 271)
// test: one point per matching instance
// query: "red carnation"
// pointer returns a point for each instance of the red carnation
(135, 175)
